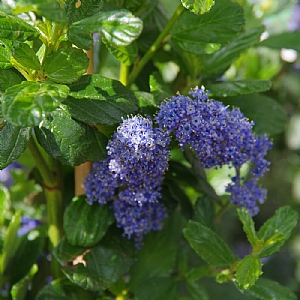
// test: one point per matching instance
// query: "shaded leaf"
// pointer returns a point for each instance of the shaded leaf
(197, 290)
(28, 103)
(277, 230)
(205, 33)
(96, 99)
(125, 54)
(5, 55)
(9, 78)
(66, 65)
(204, 212)
(248, 225)
(238, 87)
(85, 225)
(248, 271)
(208, 245)
(198, 6)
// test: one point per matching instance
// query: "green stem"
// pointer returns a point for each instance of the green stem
(51, 175)
(161, 39)
(123, 74)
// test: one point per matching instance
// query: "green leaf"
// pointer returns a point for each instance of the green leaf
(85, 225)
(204, 211)
(117, 28)
(100, 100)
(198, 6)
(70, 141)
(25, 55)
(208, 245)
(125, 54)
(14, 28)
(4, 203)
(222, 59)
(248, 271)
(201, 34)
(66, 65)
(197, 290)
(5, 55)
(13, 142)
(248, 225)
(9, 78)
(28, 103)
(94, 269)
(277, 230)
(266, 289)
(289, 40)
(238, 87)
(268, 115)
(87, 8)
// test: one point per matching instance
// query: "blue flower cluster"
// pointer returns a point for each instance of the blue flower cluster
(131, 177)
(219, 136)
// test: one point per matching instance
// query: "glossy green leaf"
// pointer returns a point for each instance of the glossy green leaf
(198, 6)
(268, 115)
(28, 103)
(117, 28)
(205, 33)
(248, 271)
(9, 78)
(70, 141)
(14, 28)
(100, 100)
(25, 55)
(238, 87)
(13, 142)
(85, 225)
(277, 230)
(5, 55)
(208, 245)
(266, 289)
(204, 212)
(248, 225)
(87, 8)
(289, 40)
(222, 59)
(66, 65)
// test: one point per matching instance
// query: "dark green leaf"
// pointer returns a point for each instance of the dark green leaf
(208, 245)
(24, 55)
(204, 212)
(289, 40)
(87, 8)
(248, 225)
(222, 59)
(268, 115)
(277, 230)
(5, 55)
(248, 271)
(14, 28)
(198, 6)
(196, 273)
(266, 289)
(100, 100)
(159, 88)
(66, 65)
(197, 290)
(9, 78)
(117, 28)
(13, 142)
(159, 288)
(52, 11)
(70, 141)
(85, 225)
(125, 54)
(239, 87)
(28, 103)
(205, 33)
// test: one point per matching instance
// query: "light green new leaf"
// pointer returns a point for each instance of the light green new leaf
(202, 34)
(28, 103)
(248, 225)
(117, 29)
(277, 230)
(14, 28)
(289, 40)
(238, 87)
(248, 271)
(198, 6)
(208, 245)
(66, 65)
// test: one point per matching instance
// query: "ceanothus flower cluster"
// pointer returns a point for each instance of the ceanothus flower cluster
(219, 136)
(131, 177)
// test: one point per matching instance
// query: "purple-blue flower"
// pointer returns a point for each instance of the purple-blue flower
(27, 225)
(5, 174)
